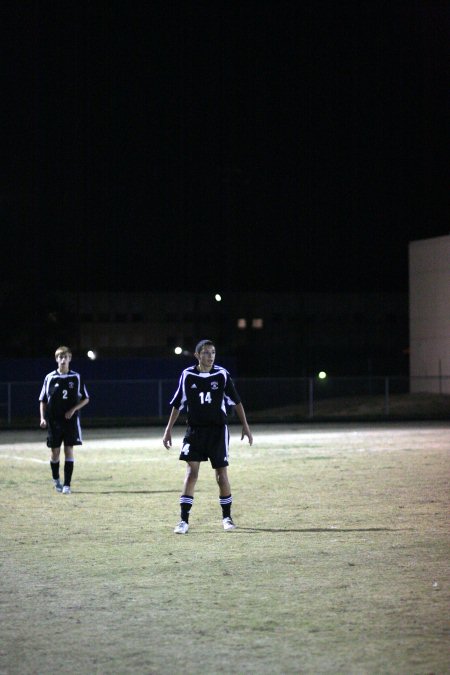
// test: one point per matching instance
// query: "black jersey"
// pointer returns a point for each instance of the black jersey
(61, 391)
(205, 395)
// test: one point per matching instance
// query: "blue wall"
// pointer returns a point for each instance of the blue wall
(30, 370)
(112, 396)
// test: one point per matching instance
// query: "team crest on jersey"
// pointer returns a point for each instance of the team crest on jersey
(214, 385)
(71, 385)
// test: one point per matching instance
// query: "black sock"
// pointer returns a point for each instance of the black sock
(225, 503)
(68, 471)
(55, 469)
(185, 503)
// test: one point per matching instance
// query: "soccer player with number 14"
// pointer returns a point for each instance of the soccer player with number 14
(204, 392)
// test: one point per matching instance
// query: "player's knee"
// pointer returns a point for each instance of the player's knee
(221, 477)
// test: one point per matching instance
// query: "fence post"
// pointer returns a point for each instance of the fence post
(9, 404)
(386, 396)
(159, 399)
(311, 397)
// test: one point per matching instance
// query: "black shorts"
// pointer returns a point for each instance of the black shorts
(203, 443)
(64, 431)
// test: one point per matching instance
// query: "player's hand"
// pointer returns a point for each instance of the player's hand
(248, 433)
(43, 424)
(167, 441)
(69, 414)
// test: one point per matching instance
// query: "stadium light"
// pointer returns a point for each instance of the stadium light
(178, 351)
(322, 375)
(218, 297)
(91, 355)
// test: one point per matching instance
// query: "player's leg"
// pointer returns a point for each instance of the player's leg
(54, 466)
(72, 437)
(223, 481)
(219, 462)
(187, 496)
(68, 468)
(190, 478)
(225, 497)
(54, 442)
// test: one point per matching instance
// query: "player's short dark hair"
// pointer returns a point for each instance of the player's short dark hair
(199, 346)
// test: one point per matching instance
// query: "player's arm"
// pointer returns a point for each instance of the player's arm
(243, 419)
(167, 438)
(78, 406)
(42, 409)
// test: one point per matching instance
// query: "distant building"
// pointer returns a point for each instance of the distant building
(283, 334)
(429, 314)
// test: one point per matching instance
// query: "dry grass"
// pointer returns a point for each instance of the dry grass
(339, 564)
(398, 407)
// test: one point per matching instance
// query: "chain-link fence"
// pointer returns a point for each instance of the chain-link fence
(127, 402)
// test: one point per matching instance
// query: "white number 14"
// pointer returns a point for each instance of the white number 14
(205, 398)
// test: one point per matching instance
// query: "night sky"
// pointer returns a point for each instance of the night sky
(269, 145)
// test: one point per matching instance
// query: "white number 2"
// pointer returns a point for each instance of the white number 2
(65, 393)
(205, 398)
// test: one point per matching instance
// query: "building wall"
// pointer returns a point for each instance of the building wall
(266, 334)
(429, 314)
(287, 334)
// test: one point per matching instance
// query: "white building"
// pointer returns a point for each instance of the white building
(429, 314)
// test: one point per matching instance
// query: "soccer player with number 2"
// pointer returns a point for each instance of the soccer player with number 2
(62, 395)
(204, 392)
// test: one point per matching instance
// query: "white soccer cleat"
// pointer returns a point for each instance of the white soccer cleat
(66, 490)
(181, 528)
(228, 524)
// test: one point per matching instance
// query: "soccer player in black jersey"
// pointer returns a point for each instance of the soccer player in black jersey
(62, 395)
(204, 391)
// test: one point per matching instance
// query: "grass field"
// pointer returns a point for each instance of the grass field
(339, 563)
